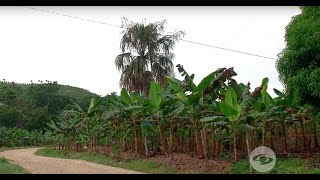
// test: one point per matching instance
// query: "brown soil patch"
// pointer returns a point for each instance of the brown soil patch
(186, 163)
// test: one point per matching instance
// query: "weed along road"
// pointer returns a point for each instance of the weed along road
(47, 165)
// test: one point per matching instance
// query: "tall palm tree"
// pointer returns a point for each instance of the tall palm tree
(146, 55)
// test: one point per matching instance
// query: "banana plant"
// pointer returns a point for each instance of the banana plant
(133, 109)
(155, 99)
(232, 110)
(191, 103)
(262, 107)
(89, 118)
(172, 110)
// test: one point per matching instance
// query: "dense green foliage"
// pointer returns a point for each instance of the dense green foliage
(15, 137)
(31, 106)
(9, 116)
(217, 116)
(25, 110)
(299, 63)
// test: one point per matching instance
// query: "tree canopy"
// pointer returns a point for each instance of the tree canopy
(299, 62)
(146, 55)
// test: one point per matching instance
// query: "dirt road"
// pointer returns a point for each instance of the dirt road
(47, 165)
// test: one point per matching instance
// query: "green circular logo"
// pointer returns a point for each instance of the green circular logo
(262, 159)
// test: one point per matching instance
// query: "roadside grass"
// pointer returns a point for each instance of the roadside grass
(291, 165)
(132, 164)
(8, 168)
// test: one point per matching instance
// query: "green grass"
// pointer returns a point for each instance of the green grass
(7, 168)
(133, 164)
(292, 165)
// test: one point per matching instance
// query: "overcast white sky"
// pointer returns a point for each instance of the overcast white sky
(35, 45)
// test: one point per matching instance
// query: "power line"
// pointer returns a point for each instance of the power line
(227, 49)
(193, 42)
(73, 17)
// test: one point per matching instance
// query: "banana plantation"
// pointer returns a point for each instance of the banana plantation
(218, 117)
(214, 123)
(16, 137)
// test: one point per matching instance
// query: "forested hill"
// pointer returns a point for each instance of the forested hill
(32, 105)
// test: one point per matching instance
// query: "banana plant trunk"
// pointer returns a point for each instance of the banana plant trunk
(205, 141)
(146, 146)
(241, 143)
(212, 142)
(164, 148)
(284, 136)
(171, 140)
(296, 134)
(205, 145)
(316, 145)
(219, 143)
(271, 140)
(135, 137)
(198, 145)
(249, 151)
(181, 142)
(303, 134)
(189, 141)
(235, 145)
(264, 134)
(89, 136)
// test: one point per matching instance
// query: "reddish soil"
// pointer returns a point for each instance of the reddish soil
(185, 163)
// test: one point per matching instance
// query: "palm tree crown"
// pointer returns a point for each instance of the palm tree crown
(146, 55)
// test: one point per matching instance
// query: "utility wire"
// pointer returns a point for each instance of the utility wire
(193, 42)
(73, 17)
(227, 49)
